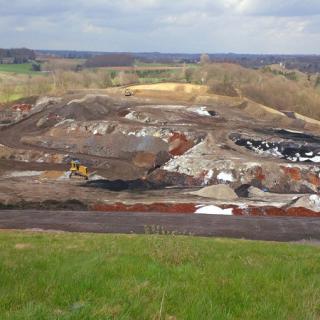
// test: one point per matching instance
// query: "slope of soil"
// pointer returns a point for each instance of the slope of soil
(164, 143)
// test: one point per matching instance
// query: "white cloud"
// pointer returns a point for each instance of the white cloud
(20, 29)
(272, 26)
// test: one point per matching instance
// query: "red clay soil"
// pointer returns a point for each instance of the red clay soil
(314, 179)
(141, 207)
(259, 174)
(190, 208)
(22, 107)
(293, 173)
(179, 144)
(144, 160)
(302, 212)
(296, 175)
(275, 212)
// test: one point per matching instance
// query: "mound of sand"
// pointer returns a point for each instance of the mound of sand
(218, 192)
(173, 87)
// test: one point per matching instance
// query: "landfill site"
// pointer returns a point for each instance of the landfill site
(166, 150)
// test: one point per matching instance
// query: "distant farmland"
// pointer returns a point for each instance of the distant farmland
(142, 68)
(24, 68)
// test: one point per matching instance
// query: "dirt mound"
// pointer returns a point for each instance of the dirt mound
(254, 192)
(173, 87)
(217, 192)
(144, 159)
(311, 202)
(306, 119)
(172, 91)
(89, 108)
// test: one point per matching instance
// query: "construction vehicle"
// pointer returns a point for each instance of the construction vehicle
(78, 170)
(128, 92)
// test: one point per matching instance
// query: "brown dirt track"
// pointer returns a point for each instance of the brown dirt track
(261, 228)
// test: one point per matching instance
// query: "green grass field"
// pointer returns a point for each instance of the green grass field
(82, 276)
(154, 64)
(12, 97)
(25, 68)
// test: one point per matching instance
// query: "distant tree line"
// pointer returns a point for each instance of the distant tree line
(304, 63)
(110, 60)
(22, 55)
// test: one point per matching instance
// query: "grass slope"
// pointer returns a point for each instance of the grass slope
(13, 97)
(81, 276)
(289, 90)
(25, 68)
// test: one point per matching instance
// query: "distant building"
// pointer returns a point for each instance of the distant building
(22, 55)
(282, 65)
(7, 60)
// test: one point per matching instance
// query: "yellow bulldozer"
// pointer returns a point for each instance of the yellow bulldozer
(128, 92)
(78, 170)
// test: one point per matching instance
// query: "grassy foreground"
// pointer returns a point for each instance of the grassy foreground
(81, 276)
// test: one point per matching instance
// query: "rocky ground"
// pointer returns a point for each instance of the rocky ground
(155, 150)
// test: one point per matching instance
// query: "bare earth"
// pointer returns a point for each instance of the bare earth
(262, 228)
(147, 152)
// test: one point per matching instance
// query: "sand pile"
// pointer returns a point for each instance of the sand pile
(218, 192)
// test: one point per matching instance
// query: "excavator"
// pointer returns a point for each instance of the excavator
(128, 92)
(78, 170)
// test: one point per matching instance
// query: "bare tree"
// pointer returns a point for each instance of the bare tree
(125, 78)
(204, 59)
(103, 79)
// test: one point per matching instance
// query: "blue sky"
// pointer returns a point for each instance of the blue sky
(243, 26)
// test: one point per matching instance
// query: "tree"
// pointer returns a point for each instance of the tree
(103, 79)
(125, 78)
(188, 74)
(110, 60)
(204, 59)
(36, 66)
(317, 82)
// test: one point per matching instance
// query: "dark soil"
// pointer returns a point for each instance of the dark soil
(72, 204)
(122, 185)
(254, 228)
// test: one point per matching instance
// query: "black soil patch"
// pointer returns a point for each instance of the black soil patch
(122, 185)
(297, 136)
(303, 149)
(243, 191)
(291, 135)
(213, 113)
(71, 204)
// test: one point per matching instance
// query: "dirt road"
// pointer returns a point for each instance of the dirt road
(253, 228)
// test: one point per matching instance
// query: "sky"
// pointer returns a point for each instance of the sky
(177, 26)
